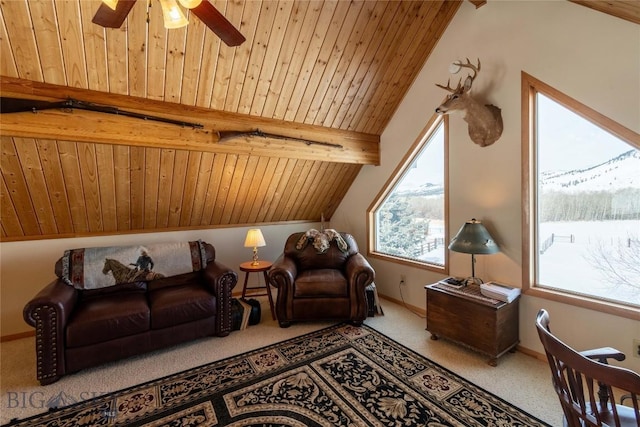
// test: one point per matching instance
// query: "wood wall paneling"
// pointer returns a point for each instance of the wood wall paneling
(322, 70)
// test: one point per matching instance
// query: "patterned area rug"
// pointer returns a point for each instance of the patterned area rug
(338, 376)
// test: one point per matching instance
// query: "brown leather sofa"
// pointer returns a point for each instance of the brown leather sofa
(78, 329)
(317, 282)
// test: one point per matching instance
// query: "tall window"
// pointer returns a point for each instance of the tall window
(584, 202)
(408, 218)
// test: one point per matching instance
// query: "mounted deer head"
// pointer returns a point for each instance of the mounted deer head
(485, 121)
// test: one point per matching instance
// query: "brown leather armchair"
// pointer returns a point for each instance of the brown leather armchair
(321, 276)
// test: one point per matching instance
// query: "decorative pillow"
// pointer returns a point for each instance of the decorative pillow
(95, 268)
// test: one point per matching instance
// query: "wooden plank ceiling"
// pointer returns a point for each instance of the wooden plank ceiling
(332, 72)
(326, 71)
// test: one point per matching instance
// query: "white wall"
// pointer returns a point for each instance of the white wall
(26, 267)
(588, 55)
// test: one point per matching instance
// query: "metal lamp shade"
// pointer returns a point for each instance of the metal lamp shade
(473, 238)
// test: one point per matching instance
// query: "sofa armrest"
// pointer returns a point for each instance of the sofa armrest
(283, 272)
(359, 274)
(49, 311)
(282, 275)
(221, 280)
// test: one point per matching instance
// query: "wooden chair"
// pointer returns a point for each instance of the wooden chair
(585, 383)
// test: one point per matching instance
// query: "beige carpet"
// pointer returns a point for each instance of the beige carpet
(519, 379)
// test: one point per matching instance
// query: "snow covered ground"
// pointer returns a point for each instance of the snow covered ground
(566, 265)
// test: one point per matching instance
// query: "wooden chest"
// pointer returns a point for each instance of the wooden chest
(464, 316)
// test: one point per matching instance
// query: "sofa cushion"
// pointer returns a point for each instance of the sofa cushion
(108, 317)
(321, 282)
(180, 304)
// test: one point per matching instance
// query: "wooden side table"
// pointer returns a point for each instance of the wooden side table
(467, 317)
(263, 266)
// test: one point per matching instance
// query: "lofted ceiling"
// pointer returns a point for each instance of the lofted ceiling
(324, 71)
(321, 79)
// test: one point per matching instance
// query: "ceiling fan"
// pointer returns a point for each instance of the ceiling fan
(112, 13)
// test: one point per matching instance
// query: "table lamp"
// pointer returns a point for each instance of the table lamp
(254, 240)
(473, 238)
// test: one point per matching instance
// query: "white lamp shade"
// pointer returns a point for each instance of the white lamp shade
(254, 239)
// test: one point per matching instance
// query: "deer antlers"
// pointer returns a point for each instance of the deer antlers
(450, 89)
(475, 69)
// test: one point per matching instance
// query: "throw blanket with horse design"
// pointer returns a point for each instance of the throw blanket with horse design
(94, 268)
(321, 240)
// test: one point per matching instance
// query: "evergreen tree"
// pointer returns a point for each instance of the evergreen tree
(396, 229)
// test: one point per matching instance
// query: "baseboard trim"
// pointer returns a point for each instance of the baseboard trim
(19, 336)
(532, 353)
(421, 311)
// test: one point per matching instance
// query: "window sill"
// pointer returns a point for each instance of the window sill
(405, 261)
(586, 302)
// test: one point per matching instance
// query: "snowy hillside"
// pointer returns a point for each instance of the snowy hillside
(620, 172)
(425, 190)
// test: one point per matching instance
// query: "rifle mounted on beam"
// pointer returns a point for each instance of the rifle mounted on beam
(19, 105)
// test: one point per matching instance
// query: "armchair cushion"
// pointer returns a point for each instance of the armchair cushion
(320, 283)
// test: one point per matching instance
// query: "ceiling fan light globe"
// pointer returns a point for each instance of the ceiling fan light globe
(173, 16)
(190, 4)
(111, 3)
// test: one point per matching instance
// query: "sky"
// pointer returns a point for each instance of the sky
(571, 141)
(428, 166)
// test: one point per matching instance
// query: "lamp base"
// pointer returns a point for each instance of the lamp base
(255, 257)
(474, 280)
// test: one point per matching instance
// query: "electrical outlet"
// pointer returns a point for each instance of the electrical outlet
(636, 348)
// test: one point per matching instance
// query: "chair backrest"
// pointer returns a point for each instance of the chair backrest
(580, 382)
(308, 257)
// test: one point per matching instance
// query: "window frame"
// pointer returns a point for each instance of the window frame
(396, 175)
(530, 88)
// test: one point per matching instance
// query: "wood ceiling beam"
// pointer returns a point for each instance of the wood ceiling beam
(478, 3)
(628, 10)
(90, 126)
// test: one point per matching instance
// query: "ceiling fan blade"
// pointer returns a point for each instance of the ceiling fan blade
(218, 23)
(107, 17)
